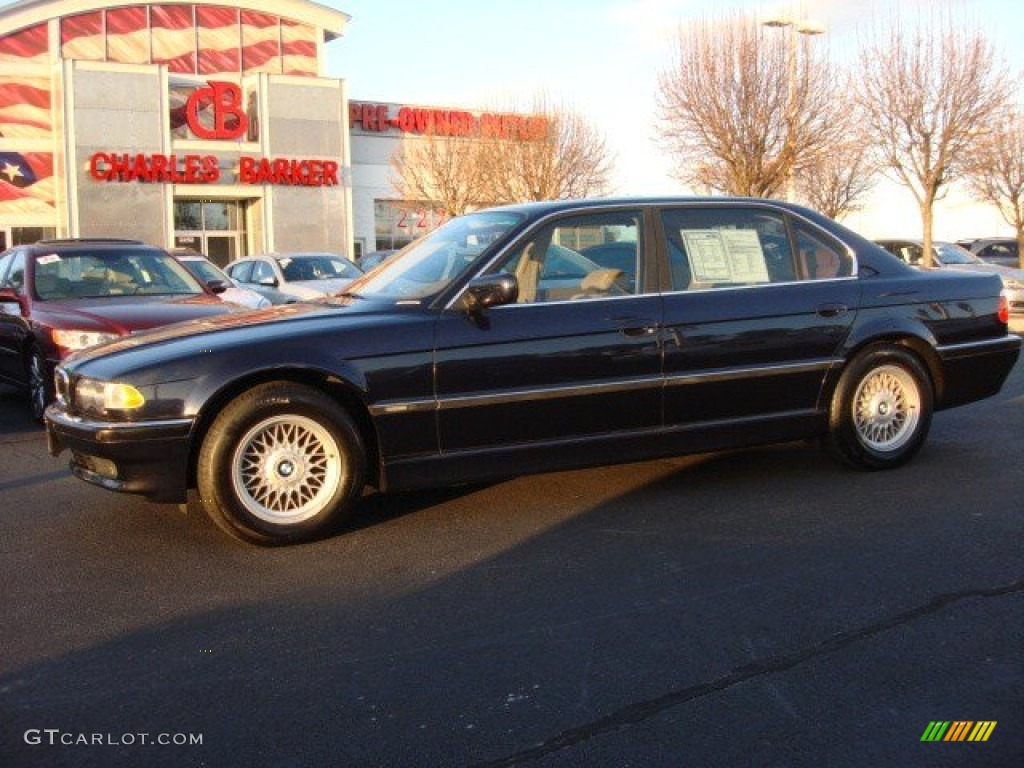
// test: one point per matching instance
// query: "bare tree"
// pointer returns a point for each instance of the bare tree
(740, 110)
(441, 169)
(566, 158)
(837, 181)
(927, 92)
(996, 172)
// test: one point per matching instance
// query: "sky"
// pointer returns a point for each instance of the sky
(602, 58)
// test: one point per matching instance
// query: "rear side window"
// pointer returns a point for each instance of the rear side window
(734, 247)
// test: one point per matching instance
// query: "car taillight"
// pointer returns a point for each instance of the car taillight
(1004, 309)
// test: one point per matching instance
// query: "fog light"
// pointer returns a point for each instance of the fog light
(96, 465)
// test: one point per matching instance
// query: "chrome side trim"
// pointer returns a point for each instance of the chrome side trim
(389, 408)
(517, 396)
(731, 374)
(1010, 340)
(599, 388)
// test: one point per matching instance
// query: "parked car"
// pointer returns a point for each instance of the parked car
(300, 276)
(749, 322)
(954, 257)
(374, 258)
(994, 250)
(60, 296)
(205, 271)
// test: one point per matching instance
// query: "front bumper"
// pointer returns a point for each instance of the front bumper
(148, 458)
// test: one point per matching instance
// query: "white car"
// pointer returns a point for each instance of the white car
(305, 276)
(209, 273)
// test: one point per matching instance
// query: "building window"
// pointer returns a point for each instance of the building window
(397, 223)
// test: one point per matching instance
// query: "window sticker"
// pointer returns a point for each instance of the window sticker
(50, 258)
(725, 255)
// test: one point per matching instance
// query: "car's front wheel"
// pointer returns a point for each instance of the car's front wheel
(282, 463)
(881, 409)
(40, 382)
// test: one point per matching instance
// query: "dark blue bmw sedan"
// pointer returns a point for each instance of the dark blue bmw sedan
(496, 346)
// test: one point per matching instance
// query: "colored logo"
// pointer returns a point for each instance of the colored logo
(224, 100)
(958, 730)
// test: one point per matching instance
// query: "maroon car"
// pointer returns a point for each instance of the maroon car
(59, 296)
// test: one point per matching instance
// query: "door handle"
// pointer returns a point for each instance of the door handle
(636, 326)
(832, 310)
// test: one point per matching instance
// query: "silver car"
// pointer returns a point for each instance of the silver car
(207, 272)
(952, 256)
(304, 276)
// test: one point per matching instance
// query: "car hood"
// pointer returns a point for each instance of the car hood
(243, 296)
(125, 314)
(310, 289)
(237, 320)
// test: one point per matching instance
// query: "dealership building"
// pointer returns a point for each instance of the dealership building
(208, 125)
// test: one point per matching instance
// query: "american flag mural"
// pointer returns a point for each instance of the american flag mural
(25, 108)
(26, 183)
(192, 39)
(26, 46)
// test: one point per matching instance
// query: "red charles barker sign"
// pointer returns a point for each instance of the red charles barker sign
(221, 103)
(378, 118)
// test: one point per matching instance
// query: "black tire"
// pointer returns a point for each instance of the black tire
(39, 378)
(281, 464)
(881, 409)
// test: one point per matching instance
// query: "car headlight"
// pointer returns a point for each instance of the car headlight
(74, 340)
(95, 396)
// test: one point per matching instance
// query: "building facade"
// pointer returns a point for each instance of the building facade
(382, 218)
(207, 125)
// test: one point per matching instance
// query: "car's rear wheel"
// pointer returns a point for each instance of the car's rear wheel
(282, 463)
(40, 382)
(881, 409)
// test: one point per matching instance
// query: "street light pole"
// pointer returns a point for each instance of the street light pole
(795, 26)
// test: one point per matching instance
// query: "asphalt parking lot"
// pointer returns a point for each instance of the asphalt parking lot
(756, 608)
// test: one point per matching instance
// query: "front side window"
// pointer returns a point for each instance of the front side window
(15, 278)
(242, 272)
(581, 257)
(261, 270)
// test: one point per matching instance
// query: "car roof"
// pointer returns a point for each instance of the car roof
(91, 244)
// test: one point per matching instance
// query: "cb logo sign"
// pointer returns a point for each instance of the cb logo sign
(224, 100)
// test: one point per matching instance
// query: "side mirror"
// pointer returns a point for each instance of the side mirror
(269, 282)
(8, 296)
(491, 291)
(217, 286)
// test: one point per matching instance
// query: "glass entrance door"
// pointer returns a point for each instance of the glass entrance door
(215, 228)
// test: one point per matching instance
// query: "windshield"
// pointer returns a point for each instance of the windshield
(948, 253)
(429, 265)
(204, 270)
(90, 274)
(317, 266)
